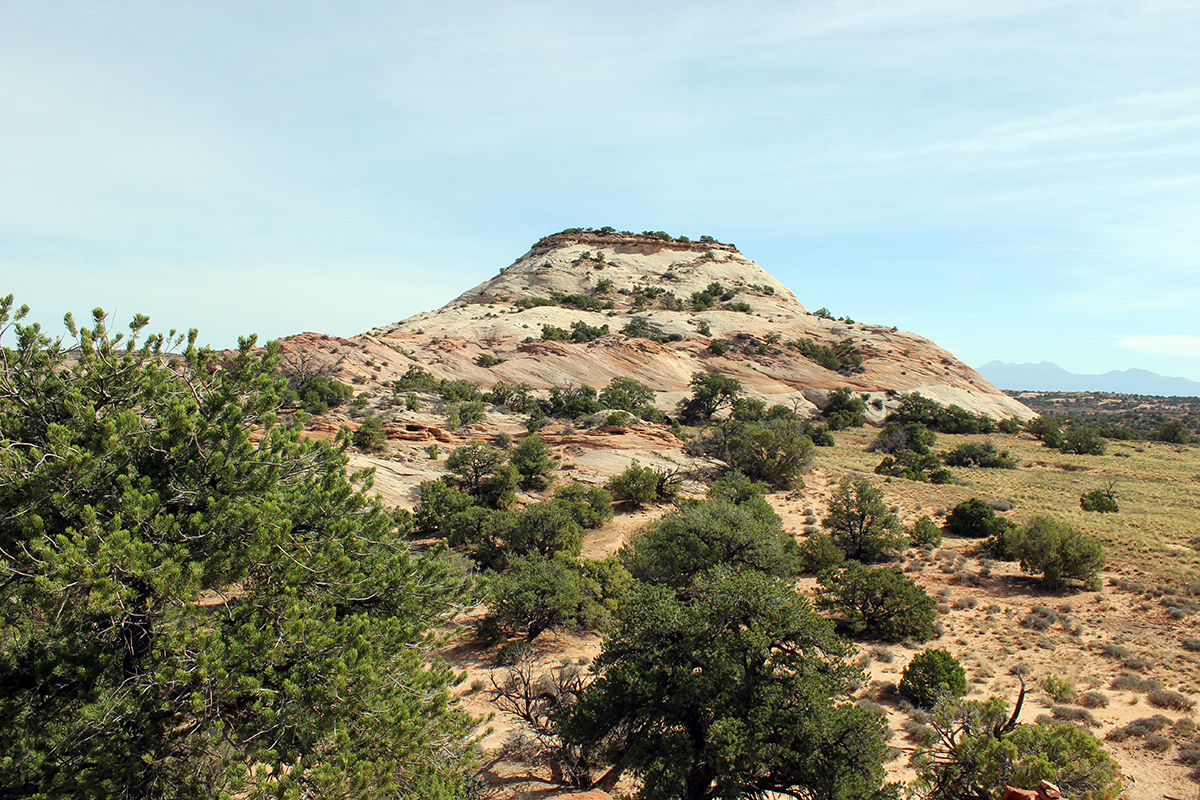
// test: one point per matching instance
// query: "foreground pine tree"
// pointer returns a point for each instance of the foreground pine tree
(193, 599)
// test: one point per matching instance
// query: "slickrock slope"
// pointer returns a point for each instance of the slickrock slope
(612, 279)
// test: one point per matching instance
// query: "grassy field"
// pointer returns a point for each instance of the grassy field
(1156, 533)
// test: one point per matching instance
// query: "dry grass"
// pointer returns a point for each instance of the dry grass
(1158, 490)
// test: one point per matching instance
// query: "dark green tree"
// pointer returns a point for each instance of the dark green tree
(1059, 553)
(189, 611)
(538, 593)
(531, 459)
(370, 434)
(930, 674)
(1084, 440)
(976, 519)
(626, 394)
(878, 601)
(734, 690)
(860, 523)
(483, 472)
(682, 545)
(1174, 431)
(711, 392)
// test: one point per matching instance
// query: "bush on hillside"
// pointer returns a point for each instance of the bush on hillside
(1059, 553)
(878, 601)
(860, 524)
(931, 674)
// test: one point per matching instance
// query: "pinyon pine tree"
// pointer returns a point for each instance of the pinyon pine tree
(194, 600)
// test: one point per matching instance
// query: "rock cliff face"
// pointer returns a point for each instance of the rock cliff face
(685, 295)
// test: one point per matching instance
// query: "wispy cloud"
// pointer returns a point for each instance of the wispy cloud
(1166, 346)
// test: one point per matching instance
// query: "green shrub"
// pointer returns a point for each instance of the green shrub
(1098, 500)
(370, 434)
(844, 357)
(844, 409)
(719, 347)
(591, 506)
(981, 753)
(539, 593)
(642, 328)
(915, 408)
(910, 436)
(925, 532)
(531, 458)
(319, 394)
(459, 391)
(639, 485)
(469, 413)
(878, 601)
(930, 674)
(913, 466)
(773, 450)
(975, 519)
(819, 553)
(1011, 426)
(704, 534)
(979, 454)
(1060, 554)
(488, 360)
(1058, 689)
(860, 524)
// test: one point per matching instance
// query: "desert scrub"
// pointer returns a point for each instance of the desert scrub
(1093, 700)
(1073, 714)
(1157, 743)
(1113, 650)
(1134, 683)
(1191, 644)
(1138, 729)
(1165, 698)
(1060, 689)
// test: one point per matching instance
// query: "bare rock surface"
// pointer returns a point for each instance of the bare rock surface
(611, 279)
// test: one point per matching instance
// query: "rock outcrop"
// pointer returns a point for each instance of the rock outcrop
(586, 281)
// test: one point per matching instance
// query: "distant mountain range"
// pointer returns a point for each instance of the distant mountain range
(1048, 377)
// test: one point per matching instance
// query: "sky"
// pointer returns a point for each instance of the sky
(1016, 181)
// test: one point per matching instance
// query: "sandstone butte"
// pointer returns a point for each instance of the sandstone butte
(622, 269)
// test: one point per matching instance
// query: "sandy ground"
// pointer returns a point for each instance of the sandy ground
(981, 622)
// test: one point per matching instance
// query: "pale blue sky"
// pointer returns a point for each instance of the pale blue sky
(1017, 181)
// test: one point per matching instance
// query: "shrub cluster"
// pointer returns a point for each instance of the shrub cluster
(844, 357)
(979, 454)
(945, 419)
